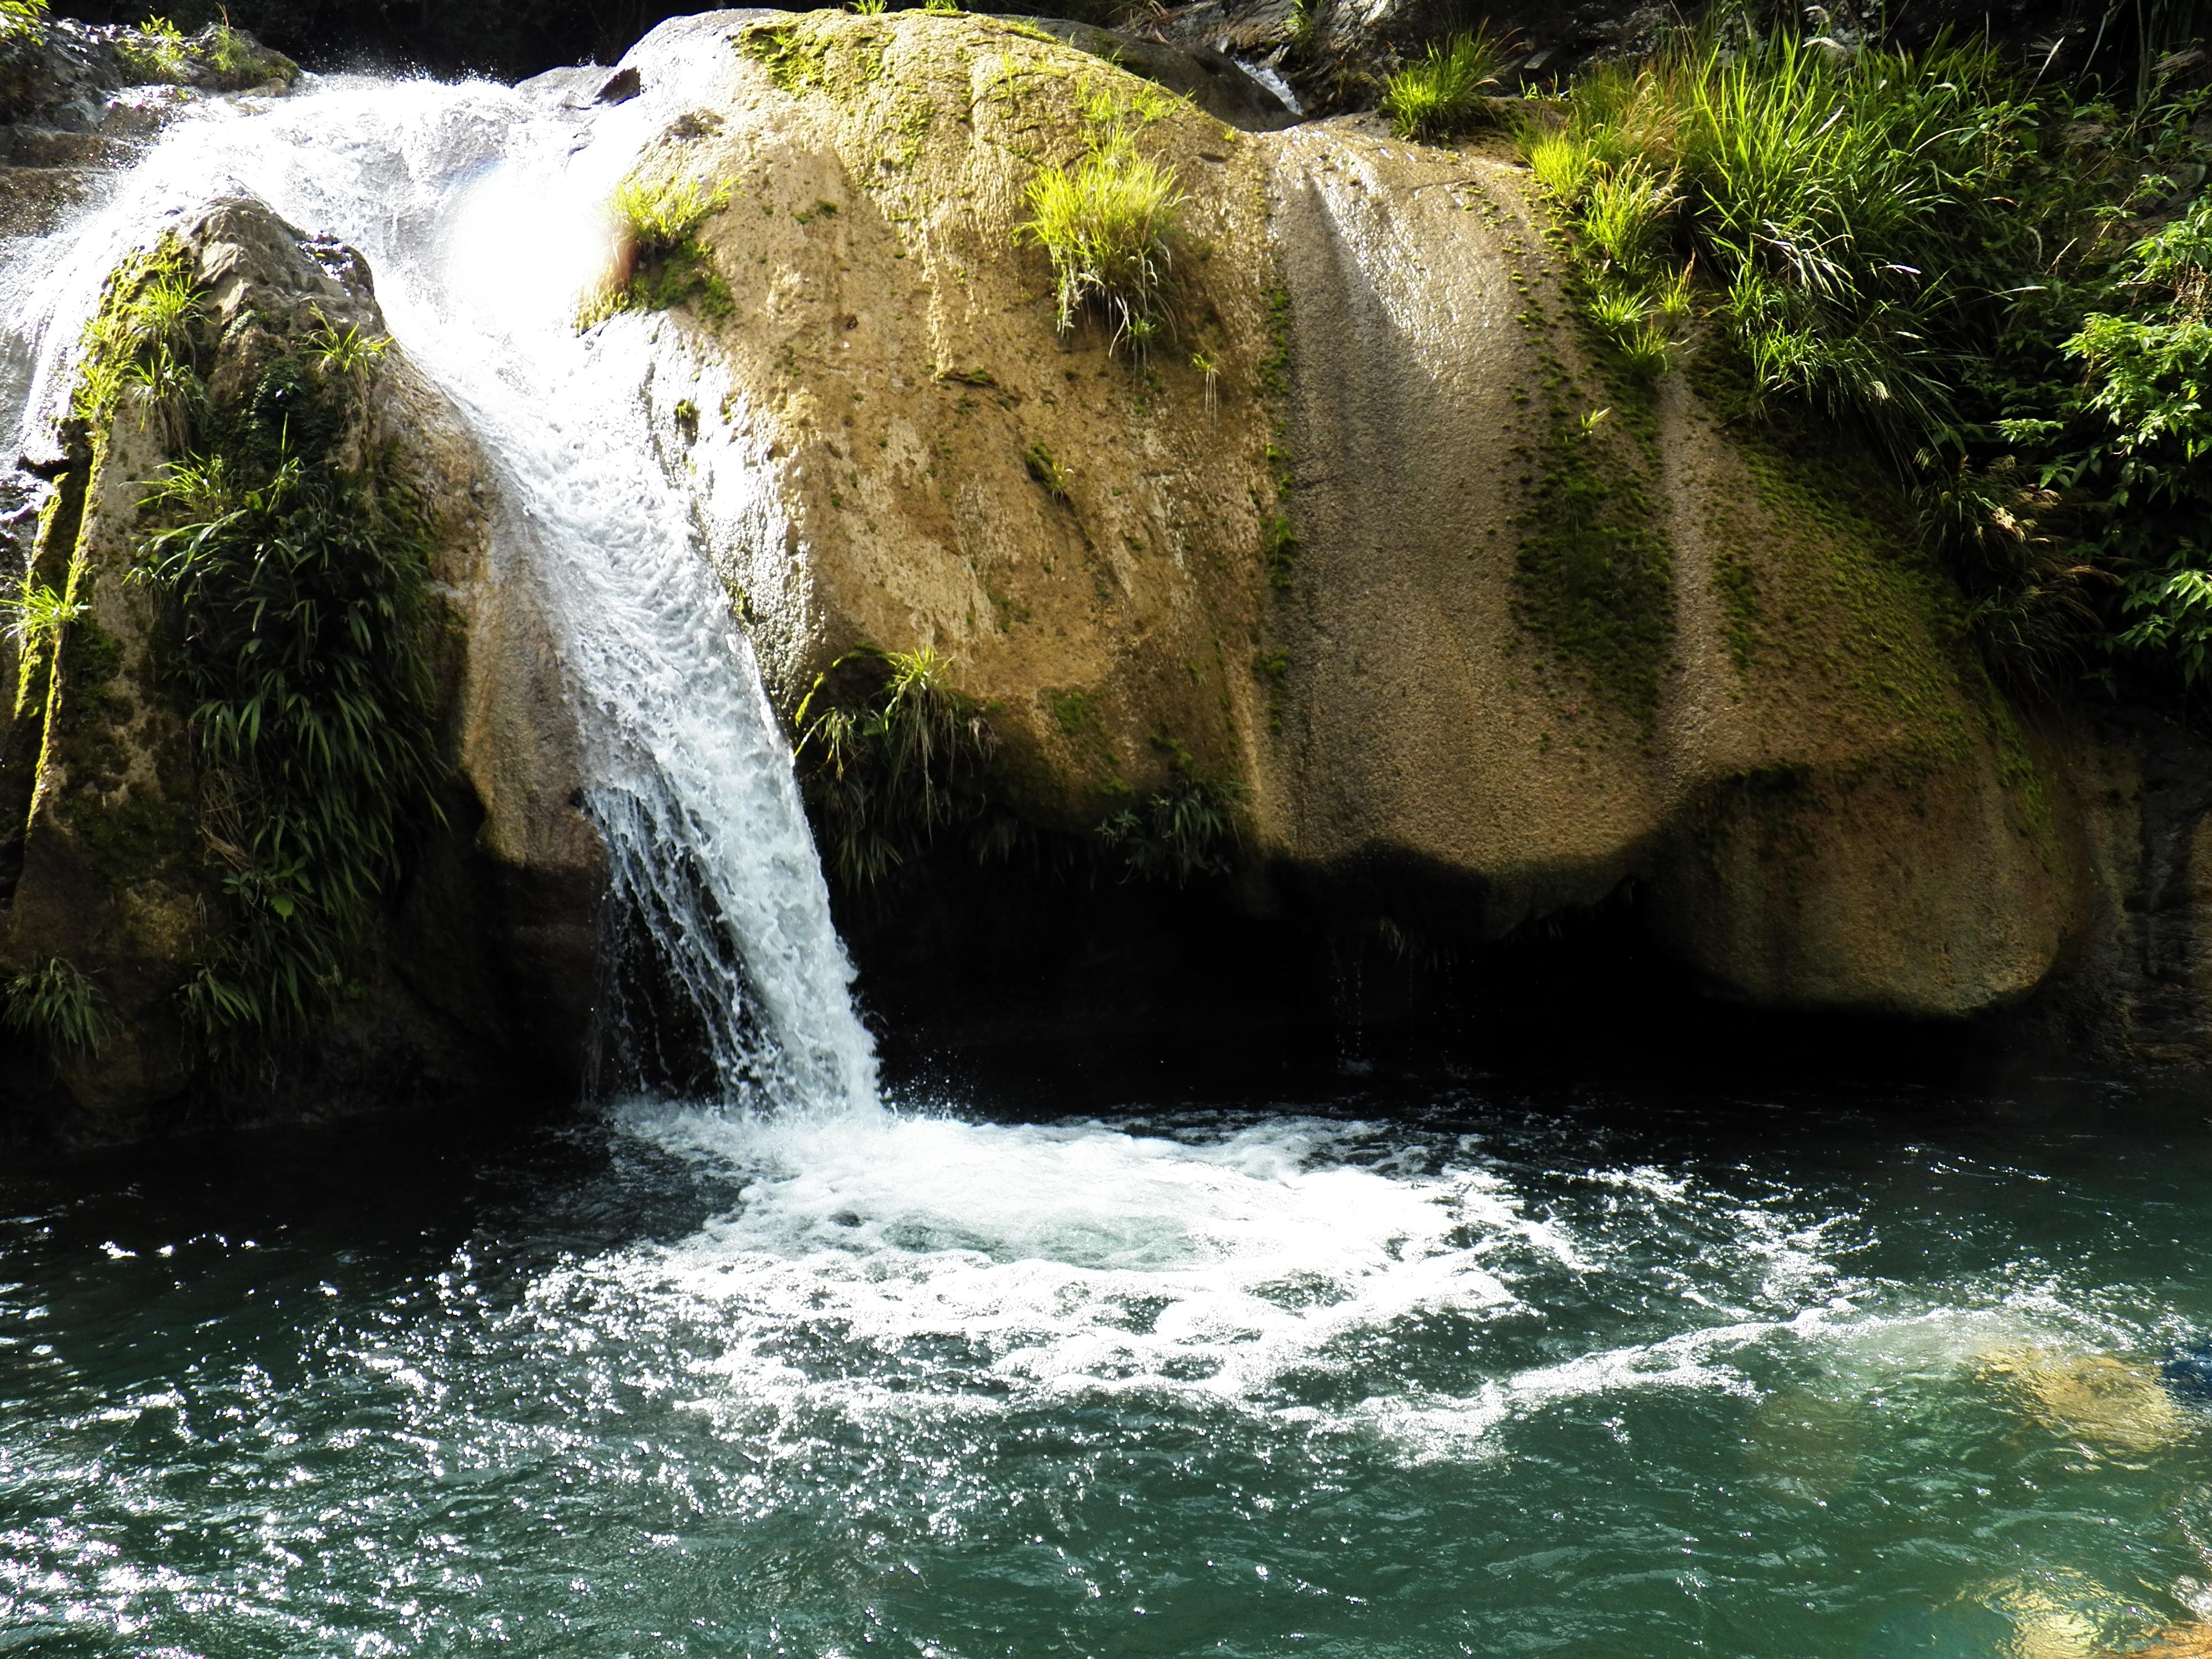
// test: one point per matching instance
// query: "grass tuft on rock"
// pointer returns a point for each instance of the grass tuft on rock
(58, 1004)
(662, 263)
(891, 756)
(2000, 284)
(1447, 92)
(1106, 222)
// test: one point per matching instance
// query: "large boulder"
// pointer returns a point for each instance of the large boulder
(1480, 627)
(114, 860)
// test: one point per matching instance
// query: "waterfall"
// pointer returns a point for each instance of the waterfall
(479, 209)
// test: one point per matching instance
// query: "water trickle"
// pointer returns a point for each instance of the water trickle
(480, 210)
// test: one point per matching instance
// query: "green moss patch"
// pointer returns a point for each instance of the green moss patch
(1595, 575)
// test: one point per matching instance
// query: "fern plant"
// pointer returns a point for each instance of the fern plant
(57, 1004)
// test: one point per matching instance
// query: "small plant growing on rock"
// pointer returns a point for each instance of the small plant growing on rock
(1046, 470)
(1188, 829)
(660, 263)
(1444, 94)
(1106, 222)
(24, 15)
(38, 614)
(58, 1005)
(1211, 369)
(890, 755)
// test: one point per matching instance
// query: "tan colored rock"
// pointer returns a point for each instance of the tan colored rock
(867, 416)
(1823, 800)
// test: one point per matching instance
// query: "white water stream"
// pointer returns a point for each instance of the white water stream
(481, 211)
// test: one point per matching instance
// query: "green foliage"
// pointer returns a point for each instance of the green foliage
(1278, 548)
(302, 596)
(1838, 202)
(891, 756)
(1444, 95)
(20, 15)
(140, 345)
(1046, 470)
(297, 583)
(660, 215)
(1106, 222)
(2145, 374)
(38, 615)
(1188, 830)
(1932, 249)
(57, 1004)
(667, 264)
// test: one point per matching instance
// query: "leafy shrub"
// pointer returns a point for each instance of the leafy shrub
(1188, 829)
(2145, 374)
(20, 15)
(57, 1004)
(1106, 222)
(889, 754)
(1444, 94)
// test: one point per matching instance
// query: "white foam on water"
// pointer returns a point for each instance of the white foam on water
(929, 1266)
(1071, 1258)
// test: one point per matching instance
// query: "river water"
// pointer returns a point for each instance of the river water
(1424, 1368)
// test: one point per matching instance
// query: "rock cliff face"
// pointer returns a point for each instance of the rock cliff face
(1465, 615)
(120, 844)
(1465, 626)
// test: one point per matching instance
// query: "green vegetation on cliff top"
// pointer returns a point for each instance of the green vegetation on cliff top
(2001, 283)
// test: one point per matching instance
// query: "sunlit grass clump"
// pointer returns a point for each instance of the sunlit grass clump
(1998, 281)
(1106, 222)
(1445, 93)
(660, 263)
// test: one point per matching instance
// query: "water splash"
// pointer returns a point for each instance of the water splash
(479, 210)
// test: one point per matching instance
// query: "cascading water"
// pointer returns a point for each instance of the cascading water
(481, 211)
